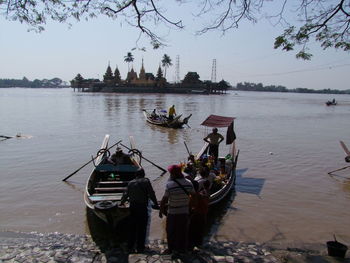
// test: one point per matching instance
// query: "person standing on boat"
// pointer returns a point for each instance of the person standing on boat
(171, 113)
(214, 139)
(139, 192)
(176, 197)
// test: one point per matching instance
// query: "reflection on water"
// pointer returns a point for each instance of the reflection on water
(172, 135)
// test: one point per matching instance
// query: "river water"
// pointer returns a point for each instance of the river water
(288, 143)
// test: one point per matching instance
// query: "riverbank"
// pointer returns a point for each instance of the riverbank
(56, 247)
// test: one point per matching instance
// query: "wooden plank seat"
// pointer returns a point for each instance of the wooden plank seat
(102, 194)
(116, 168)
(105, 197)
(113, 183)
(110, 189)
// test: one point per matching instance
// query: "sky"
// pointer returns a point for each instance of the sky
(245, 54)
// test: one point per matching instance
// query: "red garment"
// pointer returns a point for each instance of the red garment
(199, 203)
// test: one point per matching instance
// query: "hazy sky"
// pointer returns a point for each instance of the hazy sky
(245, 54)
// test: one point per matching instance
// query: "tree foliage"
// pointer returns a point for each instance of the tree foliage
(247, 86)
(45, 83)
(324, 21)
(191, 78)
(166, 62)
(129, 58)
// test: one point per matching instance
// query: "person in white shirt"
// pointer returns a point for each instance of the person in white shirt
(176, 198)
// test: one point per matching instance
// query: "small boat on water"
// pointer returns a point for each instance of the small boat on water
(107, 183)
(160, 119)
(331, 103)
(226, 165)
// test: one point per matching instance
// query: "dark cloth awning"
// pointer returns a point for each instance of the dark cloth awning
(220, 122)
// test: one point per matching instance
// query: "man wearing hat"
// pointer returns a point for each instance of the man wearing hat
(176, 197)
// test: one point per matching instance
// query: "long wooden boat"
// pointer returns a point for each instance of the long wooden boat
(219, 191)
(107, 183)
(162, 120)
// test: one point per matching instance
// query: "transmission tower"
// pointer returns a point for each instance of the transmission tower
(213, 71)
(177, 69)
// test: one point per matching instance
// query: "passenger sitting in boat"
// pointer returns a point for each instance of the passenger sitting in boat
(154, 115)
(205, 175)
(190, 171)
(119, 157)
(191, 159)
(220, 179)
(205, 162)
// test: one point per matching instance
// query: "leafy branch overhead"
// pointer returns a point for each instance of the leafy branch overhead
(324, 21)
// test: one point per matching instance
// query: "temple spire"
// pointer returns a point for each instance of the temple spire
(142, 74)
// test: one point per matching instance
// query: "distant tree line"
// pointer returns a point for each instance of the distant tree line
(25, 83)
(247, 86)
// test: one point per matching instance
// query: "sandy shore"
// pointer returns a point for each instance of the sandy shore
(56, 247)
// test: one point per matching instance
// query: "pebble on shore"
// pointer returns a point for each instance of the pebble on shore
(62, 248)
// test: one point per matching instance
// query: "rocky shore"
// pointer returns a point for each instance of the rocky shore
(63, 248)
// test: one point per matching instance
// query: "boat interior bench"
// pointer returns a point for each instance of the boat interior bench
(117, 168)
(105, 197)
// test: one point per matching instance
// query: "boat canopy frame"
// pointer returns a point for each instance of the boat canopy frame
(218, 121)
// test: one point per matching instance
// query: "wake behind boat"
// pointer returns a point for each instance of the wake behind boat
(108, 181)
(159, 118)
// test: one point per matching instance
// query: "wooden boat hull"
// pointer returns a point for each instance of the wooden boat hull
(230, 164)
(106, 185)
(330, 103)
(162, 121)
(222, 186)
(227, 187)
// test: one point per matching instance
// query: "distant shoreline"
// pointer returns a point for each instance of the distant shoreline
(194, 91)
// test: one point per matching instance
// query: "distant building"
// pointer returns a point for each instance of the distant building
(143, 78)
